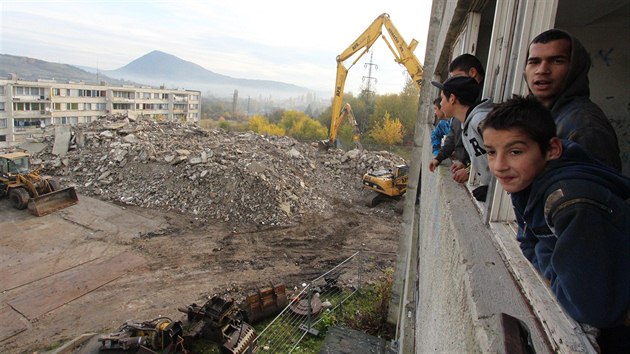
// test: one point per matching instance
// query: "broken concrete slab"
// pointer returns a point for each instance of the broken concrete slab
(62, 140)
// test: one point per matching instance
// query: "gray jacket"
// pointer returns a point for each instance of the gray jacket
(473, 141)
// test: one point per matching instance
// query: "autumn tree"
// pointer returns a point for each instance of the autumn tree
(261, 125)
(302, 127)
(388, 132)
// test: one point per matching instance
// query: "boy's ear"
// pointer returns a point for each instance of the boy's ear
(555, 149)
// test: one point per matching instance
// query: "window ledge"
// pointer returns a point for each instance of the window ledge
(564, 334)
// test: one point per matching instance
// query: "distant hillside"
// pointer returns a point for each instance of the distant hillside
(154, 69)
(159, 68)
(34, 69)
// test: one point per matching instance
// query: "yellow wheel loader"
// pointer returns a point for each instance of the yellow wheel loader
(388, 184)
(27, 189)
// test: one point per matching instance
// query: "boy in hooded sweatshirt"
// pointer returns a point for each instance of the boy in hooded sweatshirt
(460, 100)
(557, 75)
(573, 214)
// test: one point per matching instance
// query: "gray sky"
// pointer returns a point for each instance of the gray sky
(290, 41)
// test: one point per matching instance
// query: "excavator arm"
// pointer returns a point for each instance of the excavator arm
(402, 52)
(346, 112)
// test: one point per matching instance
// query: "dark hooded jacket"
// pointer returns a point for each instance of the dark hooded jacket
(574, 226)
(453, 146)
(578, 118)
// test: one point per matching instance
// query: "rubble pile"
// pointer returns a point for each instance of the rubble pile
(228, 176)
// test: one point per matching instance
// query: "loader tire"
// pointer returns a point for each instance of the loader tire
(19, 198)
(54, 185)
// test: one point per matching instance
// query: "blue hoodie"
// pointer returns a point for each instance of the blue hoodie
(574, 226)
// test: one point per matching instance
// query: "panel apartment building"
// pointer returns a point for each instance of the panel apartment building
(27, 107)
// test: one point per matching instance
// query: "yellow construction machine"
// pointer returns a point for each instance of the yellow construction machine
(346, 112)
(26, 188)
(388, 184)
(403, 54)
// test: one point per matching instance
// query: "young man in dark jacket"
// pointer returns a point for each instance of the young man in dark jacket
(572, 213)
(557, 74)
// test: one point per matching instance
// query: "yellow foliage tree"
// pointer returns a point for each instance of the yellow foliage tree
(388, 132)
(302, 127)
(261, 125)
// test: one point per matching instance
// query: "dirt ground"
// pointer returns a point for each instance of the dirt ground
(90, 267)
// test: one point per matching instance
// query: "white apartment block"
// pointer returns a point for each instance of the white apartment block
(26, 107)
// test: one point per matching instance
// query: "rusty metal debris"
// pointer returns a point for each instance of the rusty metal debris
(220, 321)
(302, 307)
(265, 302)
(160, 334)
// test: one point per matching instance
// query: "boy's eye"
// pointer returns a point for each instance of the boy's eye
(516, 152)
(490, 152)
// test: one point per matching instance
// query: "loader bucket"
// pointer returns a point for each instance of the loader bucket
(53, 201)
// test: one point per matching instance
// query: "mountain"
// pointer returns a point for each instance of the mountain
(34, 69)
(163, 69)
(155, 69)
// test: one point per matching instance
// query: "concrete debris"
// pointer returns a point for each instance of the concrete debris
(242, 178)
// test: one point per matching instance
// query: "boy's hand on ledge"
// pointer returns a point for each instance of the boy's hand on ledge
(460, 176)
(433, 164)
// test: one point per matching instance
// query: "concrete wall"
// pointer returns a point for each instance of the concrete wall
(610, 74)
(463, 283)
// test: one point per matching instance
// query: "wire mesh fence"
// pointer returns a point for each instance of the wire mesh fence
(309, 306)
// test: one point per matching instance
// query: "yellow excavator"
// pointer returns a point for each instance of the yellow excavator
(388, 183)
(403, 54)
(346, 113)
(26, 188)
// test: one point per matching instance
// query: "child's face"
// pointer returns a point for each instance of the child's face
(447, 106)
(513, 157)
(438, 113)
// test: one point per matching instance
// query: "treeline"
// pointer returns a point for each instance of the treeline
(384, 120)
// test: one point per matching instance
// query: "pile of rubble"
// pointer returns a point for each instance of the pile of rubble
(228, 176)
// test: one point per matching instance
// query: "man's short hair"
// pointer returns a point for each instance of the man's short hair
(465, 62)
(438, 102)
(551, 35)
(526, 114)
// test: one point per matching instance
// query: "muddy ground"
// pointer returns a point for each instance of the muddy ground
(90, 267)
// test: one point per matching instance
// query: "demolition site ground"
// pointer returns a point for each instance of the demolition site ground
(115, 256)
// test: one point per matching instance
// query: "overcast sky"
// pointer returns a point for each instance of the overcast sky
(290, 41)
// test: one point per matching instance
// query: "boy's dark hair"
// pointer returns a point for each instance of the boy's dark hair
(526, 114)
(551, 35)
(462, 100)
(438, 102)
(465, 62)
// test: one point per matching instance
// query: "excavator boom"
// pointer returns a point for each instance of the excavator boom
(402, 52)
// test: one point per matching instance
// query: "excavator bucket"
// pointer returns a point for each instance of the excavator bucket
(324, 145)
(53, 201)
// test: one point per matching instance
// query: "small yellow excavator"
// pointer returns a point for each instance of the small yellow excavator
(26, 188)
(388, 184)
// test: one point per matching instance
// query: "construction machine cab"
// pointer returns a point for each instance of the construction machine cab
(14, 163)
(26, 188)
